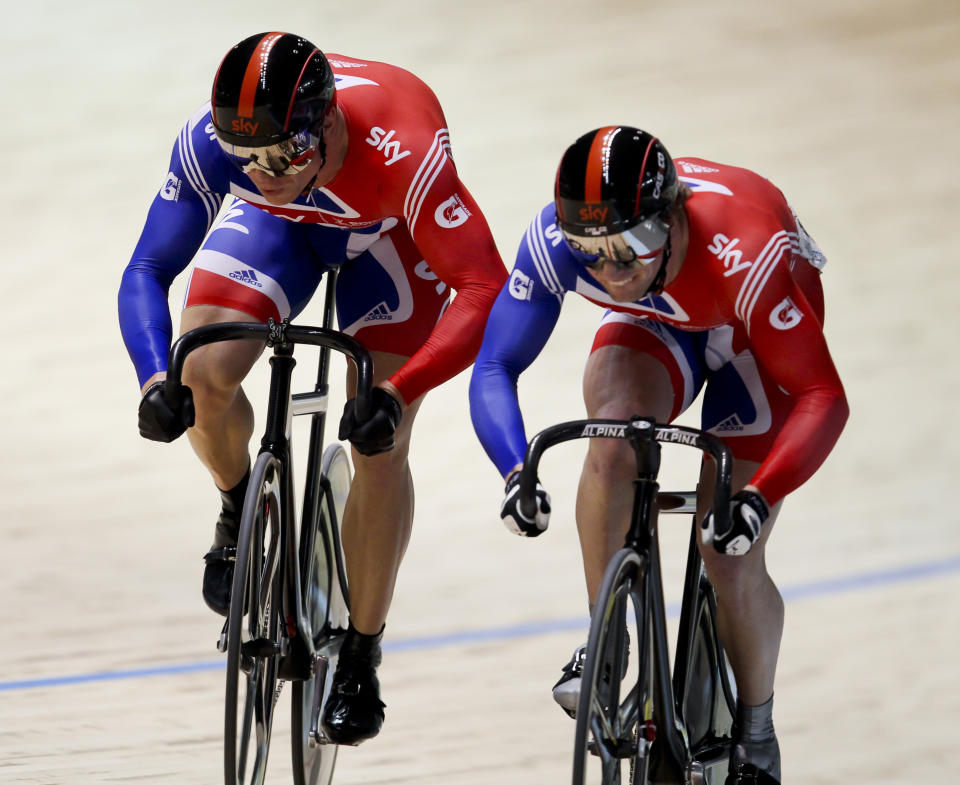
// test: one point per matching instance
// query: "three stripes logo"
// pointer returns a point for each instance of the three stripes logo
(732, 423)
(379, 314)
(248, 277)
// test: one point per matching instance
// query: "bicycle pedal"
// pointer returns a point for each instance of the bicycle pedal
(260, 648)
(624, 748)
(222, 640)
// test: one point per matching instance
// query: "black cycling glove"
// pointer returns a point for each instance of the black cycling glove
(513, 517)
(375, 434)
(748, 511)
(161, 422)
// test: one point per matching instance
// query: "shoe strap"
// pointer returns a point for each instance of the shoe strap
(224, 553)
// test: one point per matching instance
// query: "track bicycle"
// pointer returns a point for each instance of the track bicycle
(289, 600)
(635, 723)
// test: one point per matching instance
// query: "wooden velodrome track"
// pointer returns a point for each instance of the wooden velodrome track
(108, 671)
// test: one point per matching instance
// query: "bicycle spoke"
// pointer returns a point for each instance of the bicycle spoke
(629, 710)
(325, 611)
(271, 564)
(611, 770)
(247, 724)
(599, 725)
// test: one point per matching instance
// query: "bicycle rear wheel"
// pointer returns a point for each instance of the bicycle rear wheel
(615, 710)
(325, 605)
(253, 628)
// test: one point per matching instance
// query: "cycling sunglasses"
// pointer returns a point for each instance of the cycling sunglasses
(638, 245)
(291, 156)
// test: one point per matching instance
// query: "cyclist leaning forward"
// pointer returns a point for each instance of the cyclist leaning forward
(324, 161)
(711, 280)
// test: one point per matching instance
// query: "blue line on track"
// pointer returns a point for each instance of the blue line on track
(821, 588)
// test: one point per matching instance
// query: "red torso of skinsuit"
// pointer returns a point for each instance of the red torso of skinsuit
(399, 168)
(749, 263)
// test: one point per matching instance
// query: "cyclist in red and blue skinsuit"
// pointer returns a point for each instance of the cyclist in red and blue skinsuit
(302, 163)
(711, 283)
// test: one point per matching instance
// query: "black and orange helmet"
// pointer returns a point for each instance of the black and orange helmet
(615, 181)
(271, 94)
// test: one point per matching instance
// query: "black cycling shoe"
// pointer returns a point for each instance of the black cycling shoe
(566, 691)
(755, 751)
(218, 572)
(354, 711)
(748, 774)
(220, 559)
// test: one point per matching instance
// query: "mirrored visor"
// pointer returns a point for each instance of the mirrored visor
(641, 243)
(291, 156)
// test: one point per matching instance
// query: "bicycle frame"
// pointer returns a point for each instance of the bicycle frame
(695, 582)
(645, 437)
(282, 405)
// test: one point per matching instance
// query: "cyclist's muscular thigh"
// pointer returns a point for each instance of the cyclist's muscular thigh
(215, 372)
(620, 382)
(637, 366)
(224, 416)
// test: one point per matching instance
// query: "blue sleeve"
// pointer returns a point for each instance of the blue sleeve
(521, 321)
(178, 219)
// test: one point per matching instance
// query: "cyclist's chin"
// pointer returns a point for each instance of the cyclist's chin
(278, 196)
(625, 286)
(627, 291)
(277, 190)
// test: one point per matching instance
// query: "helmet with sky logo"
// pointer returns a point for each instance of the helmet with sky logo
(616, 181)
(270, 97)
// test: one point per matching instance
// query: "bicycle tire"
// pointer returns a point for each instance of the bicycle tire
(253, 628)
(611, 736)
(325, 604)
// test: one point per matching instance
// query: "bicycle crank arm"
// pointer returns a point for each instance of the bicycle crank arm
(316, 735)
(262, 648)
(709, 769)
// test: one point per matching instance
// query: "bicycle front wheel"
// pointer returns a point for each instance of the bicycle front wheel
(614, 713)
(325, 605)
(253, 629)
